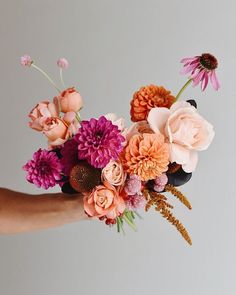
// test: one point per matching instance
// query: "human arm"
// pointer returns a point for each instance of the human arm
(20, 212)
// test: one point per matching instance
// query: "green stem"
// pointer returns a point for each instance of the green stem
(182, 89)
(78, 117)
(46, 75)
(61, 76)
(129, 222)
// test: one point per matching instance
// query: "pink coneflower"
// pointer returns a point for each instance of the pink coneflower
(201, 68)
(99, 141)
(44, 170)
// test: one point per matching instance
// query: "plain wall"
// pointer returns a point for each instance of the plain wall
(115, 47)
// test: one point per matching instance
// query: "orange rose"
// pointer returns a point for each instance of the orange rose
(56, 131)
(70, 100)
(104, 201)
(149, 97)
(40, 113)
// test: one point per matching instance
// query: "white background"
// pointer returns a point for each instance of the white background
(114, 47)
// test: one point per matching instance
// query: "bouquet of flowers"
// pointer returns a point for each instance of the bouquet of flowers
(117, 169)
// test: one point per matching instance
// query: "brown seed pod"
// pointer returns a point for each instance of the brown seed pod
(84, 178)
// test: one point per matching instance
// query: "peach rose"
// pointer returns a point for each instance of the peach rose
(114, 173)
(56, 131)
(41, 112)
(70, 100)
(104, 201)
(185, 130)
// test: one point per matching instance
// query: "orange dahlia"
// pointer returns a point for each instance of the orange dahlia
(149, 97)
(146, 155)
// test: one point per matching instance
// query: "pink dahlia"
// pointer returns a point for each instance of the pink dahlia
(99, 141)
(201, 68)
(135, 202)
(69, 153)
(44, 170)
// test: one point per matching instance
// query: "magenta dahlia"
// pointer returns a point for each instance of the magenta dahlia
(201, 68)
(99, 141)
(44, 170)
(69, 153)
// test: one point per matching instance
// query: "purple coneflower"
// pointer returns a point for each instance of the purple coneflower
(44, 170)
(201, 68)
(99, 141)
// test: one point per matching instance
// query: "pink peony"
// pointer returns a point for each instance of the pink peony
(44, 170)
(185, 131)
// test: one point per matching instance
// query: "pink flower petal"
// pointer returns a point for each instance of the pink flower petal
(190, 166)
(179, 154)
(157, 119)
(214, 81)
(204, 81)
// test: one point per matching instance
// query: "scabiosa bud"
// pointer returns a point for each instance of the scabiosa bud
(135, 202)
(26, 60)
(133, 185)
(62, 63)
(160, 183)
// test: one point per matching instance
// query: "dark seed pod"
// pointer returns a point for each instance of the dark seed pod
(179, 177)
(68, 189)
(192, 102)
(84, 178)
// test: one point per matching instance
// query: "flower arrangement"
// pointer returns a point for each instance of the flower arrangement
(119, 170)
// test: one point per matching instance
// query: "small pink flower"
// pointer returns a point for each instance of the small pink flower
(201, 68)
(160, 183)
(62, 63)
(26, 60)
(135, 202)
(133, 185)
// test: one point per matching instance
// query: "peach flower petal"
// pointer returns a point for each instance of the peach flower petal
(157, 118)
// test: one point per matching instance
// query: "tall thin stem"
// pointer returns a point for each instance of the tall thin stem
(61, 76)
(46, 75)
(182, 89)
